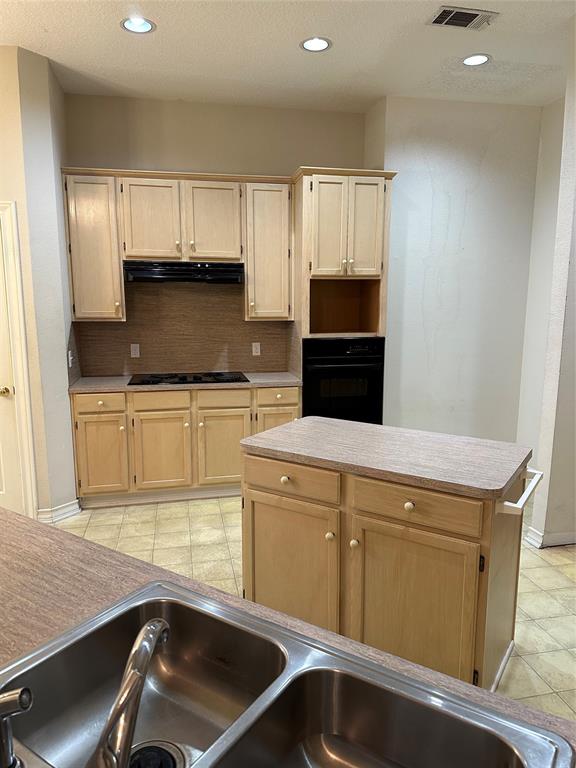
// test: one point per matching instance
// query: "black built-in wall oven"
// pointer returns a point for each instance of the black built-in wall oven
(343, 378)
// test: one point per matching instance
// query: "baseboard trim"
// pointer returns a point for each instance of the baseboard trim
(502, 667)
(541, 540)
(55, 514)
(159, 497)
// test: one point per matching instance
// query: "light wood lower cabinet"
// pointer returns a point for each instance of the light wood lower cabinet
(162, 449)
(291, 557)
(102, 453)
(268, 417)
(413, 593)
(219, 433)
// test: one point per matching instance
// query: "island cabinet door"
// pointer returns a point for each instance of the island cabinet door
(162, 449)
(219, 433)
(269, 417)
(290, 557)
(413, 594)
(102, 453)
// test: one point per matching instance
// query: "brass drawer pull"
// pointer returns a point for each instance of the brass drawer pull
(409, 506)
(354, 543)
(330, 536)
(284, 479)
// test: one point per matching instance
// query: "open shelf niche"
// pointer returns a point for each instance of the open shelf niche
(344, 306)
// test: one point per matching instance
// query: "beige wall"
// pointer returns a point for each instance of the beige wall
(29, 161)
(176, 135)
(375, 136)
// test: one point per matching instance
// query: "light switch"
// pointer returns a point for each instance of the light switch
(255, 349)
(134, 350)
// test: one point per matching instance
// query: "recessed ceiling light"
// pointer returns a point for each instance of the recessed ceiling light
(476, 59)
(138, 24)
(316, 44)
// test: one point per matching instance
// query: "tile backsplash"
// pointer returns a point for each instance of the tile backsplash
(181, 327)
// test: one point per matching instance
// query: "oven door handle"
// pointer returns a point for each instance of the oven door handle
(343, 367)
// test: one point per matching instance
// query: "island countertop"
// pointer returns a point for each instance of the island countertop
(467, 466)
(52, 580)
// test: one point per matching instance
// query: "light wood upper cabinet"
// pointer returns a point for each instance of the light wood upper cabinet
(219, 433)
(211, 220)
(290, 556)
(102, 453)
(365, 225)
(413, 593)
(162, 449)
(348, 221)
(150, 218)
(329, 225)
(95, 259)
(268, 267)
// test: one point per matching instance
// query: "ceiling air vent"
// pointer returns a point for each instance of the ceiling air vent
(466, 18)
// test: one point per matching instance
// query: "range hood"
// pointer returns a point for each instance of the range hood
(183, 272)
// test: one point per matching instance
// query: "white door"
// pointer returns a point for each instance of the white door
(11, 489)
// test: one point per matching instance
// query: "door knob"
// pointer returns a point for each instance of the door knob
(4, 391)
(409, 506)
(284, 479)
(330, 536)
(354, 543)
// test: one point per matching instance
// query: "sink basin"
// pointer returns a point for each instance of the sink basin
(231, 690)
(208, 673)
(330, 718)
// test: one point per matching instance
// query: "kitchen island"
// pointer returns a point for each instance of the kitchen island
(407, 541)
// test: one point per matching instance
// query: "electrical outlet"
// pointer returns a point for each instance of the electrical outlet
(70, 358)
(134, 350)
(255, 349)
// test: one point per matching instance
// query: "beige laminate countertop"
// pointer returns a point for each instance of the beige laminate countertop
(88, 384)
(466, 466)
(51, 580)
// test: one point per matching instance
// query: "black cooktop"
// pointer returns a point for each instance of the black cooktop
(211, 377)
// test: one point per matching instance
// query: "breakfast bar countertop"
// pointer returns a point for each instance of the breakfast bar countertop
(52, 580)
(466, 466)
(89, 384)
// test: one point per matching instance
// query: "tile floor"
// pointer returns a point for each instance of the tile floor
(202, 539)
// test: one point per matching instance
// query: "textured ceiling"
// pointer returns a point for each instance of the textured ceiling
(248, 52)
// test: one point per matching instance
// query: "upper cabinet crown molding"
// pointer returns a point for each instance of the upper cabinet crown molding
(96, 279)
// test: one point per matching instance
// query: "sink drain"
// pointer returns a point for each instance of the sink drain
(156, 754)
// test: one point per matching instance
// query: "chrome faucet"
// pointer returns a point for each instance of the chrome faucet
(115, 743)
(11, 703)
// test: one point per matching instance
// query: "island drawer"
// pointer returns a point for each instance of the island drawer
(224, 398)
(289, 479)
(161, 401)
(277, 396)
(100, 403)
(418, 506)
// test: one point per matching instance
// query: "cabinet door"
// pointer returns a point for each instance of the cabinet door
(95, 260)
(290, 557)
(211, 220)
(413, 594)
(268, 417)
(329, 225)
(267, 251)
(365, 225)
(219, 433)
(151, 219)
(162, 449)
(102, 453)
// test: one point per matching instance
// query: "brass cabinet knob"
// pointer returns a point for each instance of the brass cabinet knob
(284, 479)
(330, 536)
(252, 304)
(409, 506)
(354, 543)
(4, 391)
(279, 396)
(201, 424)
(186, 424)
(100, 402)
(192, 244)
(122, 429)
(344, 261)
(117, 304)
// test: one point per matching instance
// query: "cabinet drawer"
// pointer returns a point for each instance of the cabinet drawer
(161, 401)
(277, 396)
(100, 403)
(224, 398)
(418, 506)
(292, 479)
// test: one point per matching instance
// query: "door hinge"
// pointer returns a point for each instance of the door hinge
(76, 424)
(310, 186)
(241, 249)
(244, 593)
(124, 246)
(310, 266)
(481, 564)
(134, 479)
(69, 247)
(242, 502)
(289, 308)
(251, 416)
(121, 187)
(240, 191)
(475, 677)
(65, 186)
(132, 422)
(384, 186)
(289, 195)
(256, 416)
(74, 308)
(79, 483)
(289, 253)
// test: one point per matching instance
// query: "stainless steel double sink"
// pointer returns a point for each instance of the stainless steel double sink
(235, 691)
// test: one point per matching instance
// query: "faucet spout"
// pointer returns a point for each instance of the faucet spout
(115, 743)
